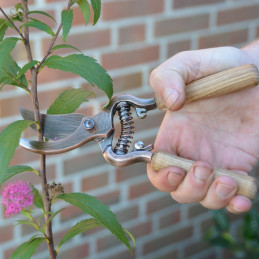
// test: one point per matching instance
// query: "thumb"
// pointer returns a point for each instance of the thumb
(169, 88)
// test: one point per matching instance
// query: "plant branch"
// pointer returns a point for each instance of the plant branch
(52, 42)
(12, 23)
(34, 97)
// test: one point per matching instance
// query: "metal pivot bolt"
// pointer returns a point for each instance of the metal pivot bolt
(89, 124)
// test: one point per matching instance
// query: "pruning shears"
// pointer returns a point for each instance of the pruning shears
(69, 131)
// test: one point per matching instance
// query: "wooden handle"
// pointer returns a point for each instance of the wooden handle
(247, 185)
(221, 83)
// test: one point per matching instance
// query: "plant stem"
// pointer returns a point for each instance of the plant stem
(37, 117)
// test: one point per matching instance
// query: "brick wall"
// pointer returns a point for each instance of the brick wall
(132, 38)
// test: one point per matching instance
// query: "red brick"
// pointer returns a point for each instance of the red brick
(120, 84)
(78, 252)
(124, 254)
(181, 25)
(223, 39)
(125, 173)
(9, 252)
(196, 210)
(141, 189)
(169, 219)
(175, 47)
(128, 9)
(127, 214)
(244, 13)
(110, 197)
(106, 242)
(197, 3)
(83, 162)
(171, 255)
(82, 41)
(132, 34)
(70, 212)
(141, 229)
(78, 18)
(23, 156)
(167, 240)
(11, 3)
(6, 233)
(195, 248)
(10, 106)
(94, 182)
(159, 204)
(121, 59)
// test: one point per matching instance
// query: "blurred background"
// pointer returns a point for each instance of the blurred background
(131, 38)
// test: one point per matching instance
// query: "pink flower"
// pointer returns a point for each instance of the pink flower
(16, 196)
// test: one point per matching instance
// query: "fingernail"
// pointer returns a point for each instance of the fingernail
(170, 97)
(224, 190)
(202, 173)
(173, 177)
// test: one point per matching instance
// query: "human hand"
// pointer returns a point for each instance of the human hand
(218, 132)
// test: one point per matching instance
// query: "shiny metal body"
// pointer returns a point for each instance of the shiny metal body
(63, 135)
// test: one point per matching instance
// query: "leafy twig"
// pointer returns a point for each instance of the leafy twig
(11, 22)
(52, 42)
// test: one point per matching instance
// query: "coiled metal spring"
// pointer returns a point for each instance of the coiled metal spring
(127, 128)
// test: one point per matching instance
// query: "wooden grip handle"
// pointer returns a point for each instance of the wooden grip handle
(224, 82)
(247, 185)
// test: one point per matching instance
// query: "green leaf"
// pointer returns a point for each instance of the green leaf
(26, 67)
(60, 46)
(96, 4)
(3, 28)
(66, 19)
(79, 228)
(6, 46)
(9, 140)
(43, 13)
(14, 170)
(221, 220)
(84, 66)
(68, 101)
(251, 225)
(90, 205)
(85, 9)
(37, 198)
(8, 74)
(27, 249)
(8, 67)
(39, 25)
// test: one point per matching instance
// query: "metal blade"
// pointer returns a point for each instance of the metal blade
(55, 127)
(103, 128)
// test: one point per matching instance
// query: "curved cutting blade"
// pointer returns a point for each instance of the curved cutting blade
(103, 128)
(55, 126)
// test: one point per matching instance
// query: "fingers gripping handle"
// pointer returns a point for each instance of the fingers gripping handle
(224, 82)
(247, 185)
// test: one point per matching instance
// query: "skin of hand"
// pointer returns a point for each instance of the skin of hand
(217, 132)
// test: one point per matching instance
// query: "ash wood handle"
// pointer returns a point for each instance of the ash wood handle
(224, 82)
(247, 185)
